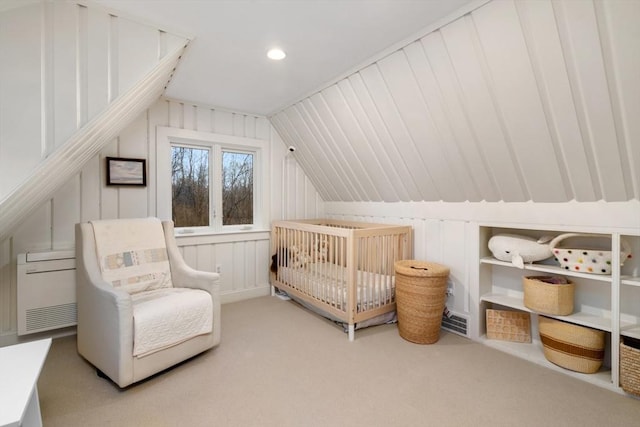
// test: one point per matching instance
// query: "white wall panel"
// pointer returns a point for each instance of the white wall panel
(470, 70)
(414, 127)
(65, 213)
(317, 111)
(621, 35)
(399, 135)
(547, 58)
(309, 152)
(109, 196)
(97, 61)
(583, 49)
(518, 103)
(133, 144)
(21, 144)
(367, 144)
(330, 106)
(457, 151)
(90, 185)
(384, 147)
(137, 52)
(8, 318)
(65, 91)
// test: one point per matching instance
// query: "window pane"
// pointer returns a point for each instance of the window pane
(190, 186)
(237, 188)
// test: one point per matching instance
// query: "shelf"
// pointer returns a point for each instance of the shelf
(632, 330)
(606, 302)
(629, 280)
(533, 353)
(553, 270)
(578, 318)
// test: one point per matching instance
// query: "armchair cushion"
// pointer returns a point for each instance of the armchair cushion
(132, 254)
(166, 317)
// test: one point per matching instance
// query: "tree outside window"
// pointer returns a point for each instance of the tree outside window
(237, 188)
(192, 194)
(190, 186)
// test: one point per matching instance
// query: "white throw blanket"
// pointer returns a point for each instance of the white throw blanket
(133, 254)
(133, 257)
(166, 317)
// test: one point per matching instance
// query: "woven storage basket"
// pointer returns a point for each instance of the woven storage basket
(571, 346)
(630, 368)
(420, 297)
(508, 325)
(548, 298)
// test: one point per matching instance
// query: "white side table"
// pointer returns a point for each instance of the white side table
(20, 367)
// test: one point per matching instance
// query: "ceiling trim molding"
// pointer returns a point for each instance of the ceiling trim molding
(136, 19)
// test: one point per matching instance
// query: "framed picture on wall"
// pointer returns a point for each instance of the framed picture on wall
(123, 171)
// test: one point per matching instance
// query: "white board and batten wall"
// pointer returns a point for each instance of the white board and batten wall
(243, 258)
(449, 233)
(63, 63)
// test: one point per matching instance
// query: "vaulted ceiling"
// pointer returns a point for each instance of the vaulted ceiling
(226, 65)
(515, 101)
(502, 100)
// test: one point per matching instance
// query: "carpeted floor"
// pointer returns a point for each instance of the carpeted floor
(280, 365)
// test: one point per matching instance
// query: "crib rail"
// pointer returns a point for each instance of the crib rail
(344, 268)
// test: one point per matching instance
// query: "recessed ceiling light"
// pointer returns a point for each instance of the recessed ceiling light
(276, 54)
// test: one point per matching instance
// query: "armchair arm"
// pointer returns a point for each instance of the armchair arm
(183, 275)
(105, 313)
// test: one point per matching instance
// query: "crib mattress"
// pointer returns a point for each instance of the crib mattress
(327, 282)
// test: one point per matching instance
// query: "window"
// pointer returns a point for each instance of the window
(209, 182)
(237, 188)
(190, 186)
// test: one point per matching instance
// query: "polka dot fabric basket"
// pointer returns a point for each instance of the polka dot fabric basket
(595, 261)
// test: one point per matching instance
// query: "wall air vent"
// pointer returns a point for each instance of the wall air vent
(46, 291)
(52, 317)
(455, 323)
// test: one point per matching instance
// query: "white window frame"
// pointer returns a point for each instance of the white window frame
(167, 137)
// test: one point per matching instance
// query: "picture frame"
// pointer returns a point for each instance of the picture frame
(126, 171)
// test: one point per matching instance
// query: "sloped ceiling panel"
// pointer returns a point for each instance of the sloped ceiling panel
(518, 100)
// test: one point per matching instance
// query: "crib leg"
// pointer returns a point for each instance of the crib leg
(273, 291)
(352, 332)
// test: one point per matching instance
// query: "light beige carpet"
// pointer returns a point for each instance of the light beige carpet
(280, 365)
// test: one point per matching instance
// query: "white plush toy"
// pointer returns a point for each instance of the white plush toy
(519, 249)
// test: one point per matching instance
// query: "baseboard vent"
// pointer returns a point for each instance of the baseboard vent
(456, 324)
(53, 317)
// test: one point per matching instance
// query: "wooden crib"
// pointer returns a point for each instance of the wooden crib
(341, 269)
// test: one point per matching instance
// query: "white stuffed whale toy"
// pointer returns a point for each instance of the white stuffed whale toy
(519, 249)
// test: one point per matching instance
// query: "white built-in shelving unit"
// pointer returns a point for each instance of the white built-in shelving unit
(610, 303)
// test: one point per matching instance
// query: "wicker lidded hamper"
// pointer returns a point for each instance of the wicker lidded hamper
(421, 289)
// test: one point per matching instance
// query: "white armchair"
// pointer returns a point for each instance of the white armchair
(141, 309)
